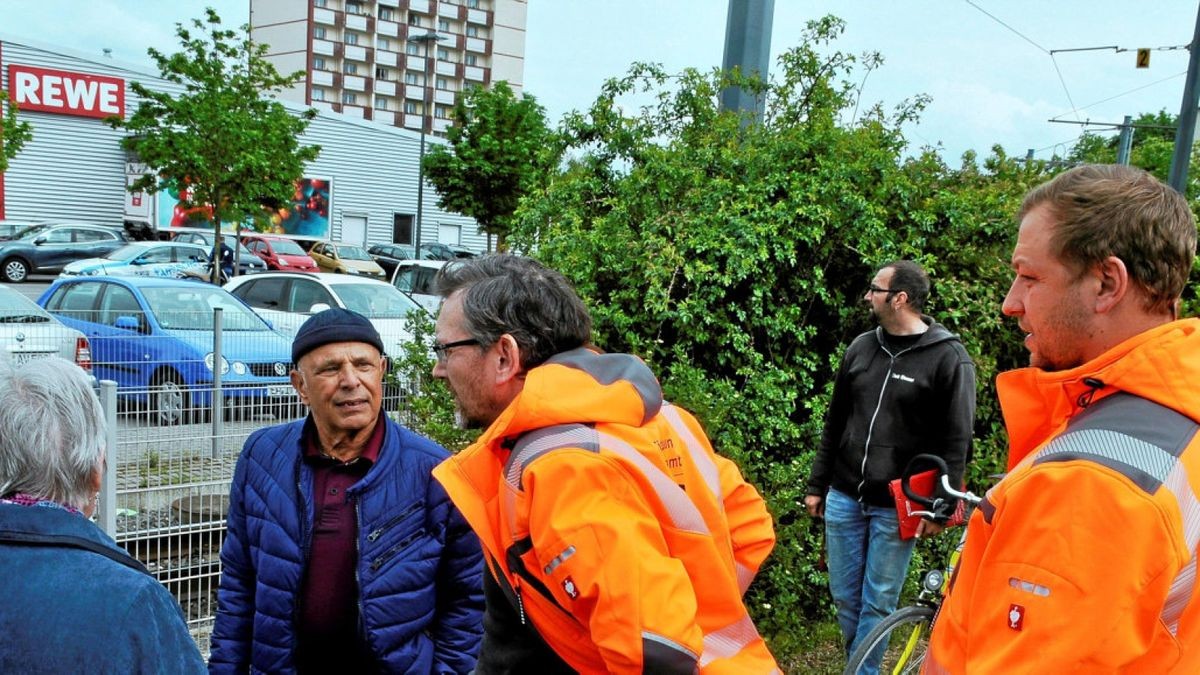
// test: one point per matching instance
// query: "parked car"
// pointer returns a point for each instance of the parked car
(47, 248)
(340, 258)
(280, 253)
(287, 300)
(247, 262)
(155, 338)
(440, 251)
(415, 279)
(387, 255)
(28, 332)
(146, 259)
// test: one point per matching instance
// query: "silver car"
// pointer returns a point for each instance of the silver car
(28, 332)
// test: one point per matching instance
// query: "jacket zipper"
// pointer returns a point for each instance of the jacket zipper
(362, 626)
(887, 377)
(305, 542)
(378, 532)
(520, 601)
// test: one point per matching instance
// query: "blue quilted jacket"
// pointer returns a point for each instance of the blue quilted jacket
(419, 564)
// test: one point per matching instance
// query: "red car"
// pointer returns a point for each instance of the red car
(280, 253)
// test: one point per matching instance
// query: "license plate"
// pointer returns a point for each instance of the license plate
(26, 357)
(281, 390)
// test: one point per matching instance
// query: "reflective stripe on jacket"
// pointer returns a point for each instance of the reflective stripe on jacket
(1083, 559)
(624, 538)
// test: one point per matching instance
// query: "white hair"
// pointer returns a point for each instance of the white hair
(51, 431)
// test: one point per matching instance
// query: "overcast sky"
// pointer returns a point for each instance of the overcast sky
(986, 63)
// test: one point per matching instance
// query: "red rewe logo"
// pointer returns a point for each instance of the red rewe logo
(66, 93)
(1016, 617)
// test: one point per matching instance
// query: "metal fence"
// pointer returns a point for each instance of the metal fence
(165, 491)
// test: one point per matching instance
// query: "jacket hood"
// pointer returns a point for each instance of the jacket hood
(1161, 365)
(581, 386)
(936, 333)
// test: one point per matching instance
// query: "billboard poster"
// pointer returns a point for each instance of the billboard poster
(308, 213)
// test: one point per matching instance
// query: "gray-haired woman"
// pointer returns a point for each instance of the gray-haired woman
(73, 601)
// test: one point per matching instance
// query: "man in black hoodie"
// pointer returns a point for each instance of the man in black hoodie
(903, 389)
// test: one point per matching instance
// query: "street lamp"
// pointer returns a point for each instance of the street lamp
(426, 116)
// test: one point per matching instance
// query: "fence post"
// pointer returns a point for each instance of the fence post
(218, 396)
(106, 501)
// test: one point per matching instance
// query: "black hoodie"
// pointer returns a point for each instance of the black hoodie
(891, 405)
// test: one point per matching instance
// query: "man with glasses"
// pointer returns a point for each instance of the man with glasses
(616, 540)
(905, 388)
(342, 554)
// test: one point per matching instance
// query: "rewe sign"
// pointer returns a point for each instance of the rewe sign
(66, 93)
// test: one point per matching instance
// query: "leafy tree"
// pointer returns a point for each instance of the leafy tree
(1152, 147)
(222, 138)
(500, 148)
(14, 133)
(734, 260)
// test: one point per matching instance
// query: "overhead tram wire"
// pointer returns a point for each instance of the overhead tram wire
(1124, 93)
(1026, 38)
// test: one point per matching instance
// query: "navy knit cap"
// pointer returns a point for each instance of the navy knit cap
(334, 325)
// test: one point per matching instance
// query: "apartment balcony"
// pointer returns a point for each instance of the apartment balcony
(448, 10)
(385, 88)
(386, 58)
(478, 45)
(446, 68)
(389, 3)
(354, 110)
(419, 6)
(354, 83)
(356, 21)
(387, 28)
(323, 105)
(444, 96)
(478, 16)
(323, 47)
(412, 121)
(440, 125)
(414, 92)
(356, 53)
(473, 73)
(322, 78)
(324, 17)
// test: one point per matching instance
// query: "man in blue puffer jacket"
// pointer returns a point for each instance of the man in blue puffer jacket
(342, 553)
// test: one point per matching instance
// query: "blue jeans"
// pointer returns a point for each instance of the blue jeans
(867, 566)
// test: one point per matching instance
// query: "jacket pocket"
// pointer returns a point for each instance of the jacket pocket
(400, 547)
(392, 522)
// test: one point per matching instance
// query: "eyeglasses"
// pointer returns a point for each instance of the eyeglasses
(873, 289)
(441, 350)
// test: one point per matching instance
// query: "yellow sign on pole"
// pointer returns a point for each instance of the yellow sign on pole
(1143, 58)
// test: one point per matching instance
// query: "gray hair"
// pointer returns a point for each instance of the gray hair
(51, 431)
(513, 295)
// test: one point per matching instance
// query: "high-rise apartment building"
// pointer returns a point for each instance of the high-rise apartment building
(398, 62)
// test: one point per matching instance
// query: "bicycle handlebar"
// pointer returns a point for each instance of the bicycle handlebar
(940, 507)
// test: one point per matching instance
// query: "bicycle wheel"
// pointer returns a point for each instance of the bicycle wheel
(904, 637)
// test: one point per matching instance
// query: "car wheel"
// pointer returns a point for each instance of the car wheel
(168, 400)
(15, 270)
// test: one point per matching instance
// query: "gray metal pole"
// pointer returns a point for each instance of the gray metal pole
(1126, 142)
(747, 47)
(106, 501)
(218, 397)
(1186, 130)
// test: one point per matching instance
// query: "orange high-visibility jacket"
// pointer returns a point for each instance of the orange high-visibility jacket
(626, 540)
(1083, 558)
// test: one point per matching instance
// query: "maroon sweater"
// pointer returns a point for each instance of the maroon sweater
(328, 622)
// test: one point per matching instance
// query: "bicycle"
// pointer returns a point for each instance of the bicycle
(904, 634)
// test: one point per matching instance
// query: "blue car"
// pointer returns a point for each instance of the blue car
(154, 338)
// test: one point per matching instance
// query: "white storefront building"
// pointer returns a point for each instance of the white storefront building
(74, 169)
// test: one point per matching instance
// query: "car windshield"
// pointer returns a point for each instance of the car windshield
(16, 308)
(286, 247)
(31, 231)
(128, 252)
(191, 308)
(352, 253)
(376, 301)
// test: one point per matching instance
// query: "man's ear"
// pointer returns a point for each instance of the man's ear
(1113, 281)
(508, 359)
(297, 384)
